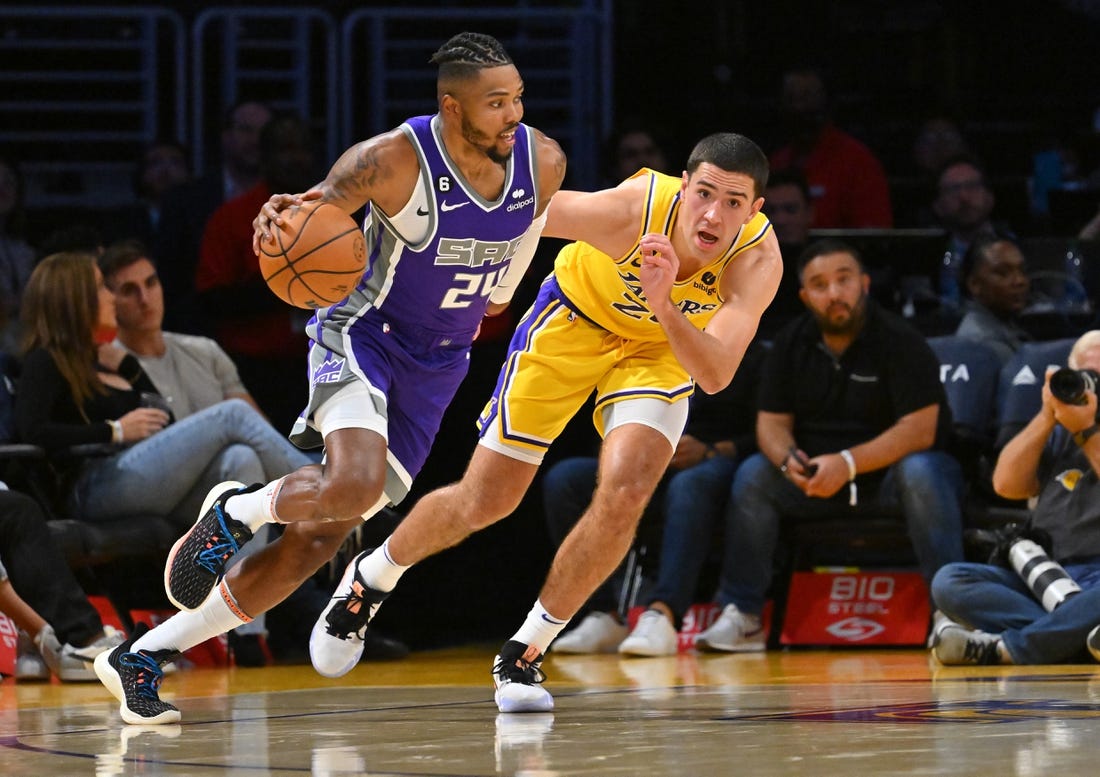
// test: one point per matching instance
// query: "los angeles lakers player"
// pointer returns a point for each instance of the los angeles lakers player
(663, 291)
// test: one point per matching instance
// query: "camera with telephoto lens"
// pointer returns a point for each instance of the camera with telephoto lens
(1046, 578)
(1070, 386)
(1023, 548)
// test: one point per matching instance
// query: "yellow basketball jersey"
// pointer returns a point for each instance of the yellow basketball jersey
(608, 291)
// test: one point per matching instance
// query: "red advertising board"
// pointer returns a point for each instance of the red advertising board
(9, 637)
(856, 607)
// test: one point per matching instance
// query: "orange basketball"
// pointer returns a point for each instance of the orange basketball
(315, 257)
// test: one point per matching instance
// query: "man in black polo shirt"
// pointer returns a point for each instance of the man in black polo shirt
(852, 419)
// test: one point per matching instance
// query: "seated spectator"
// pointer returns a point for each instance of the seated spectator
(718, 435)
(264, 336)
(847, 181)
(39, 592)
(193, 373)
(852, 420)
(631, 148)
(16, 255)
(185, 209)
(995, 617)
(937, 140)
(1057, 165)
(963, 208)
(73, 391)
(789, 208)
(162, 165)
(994, 276)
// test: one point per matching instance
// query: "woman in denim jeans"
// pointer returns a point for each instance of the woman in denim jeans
(73, 391)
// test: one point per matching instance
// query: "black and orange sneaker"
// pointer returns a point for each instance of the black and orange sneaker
(134, 679)
(197, 561)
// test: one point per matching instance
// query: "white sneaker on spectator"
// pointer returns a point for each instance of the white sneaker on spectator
(939, 621)
(953, 645)
(733, 632)
(29, 662)
(30, 666)
(653, 635)
(78, 664)
(598, 632)
(1093, 642)
(49, 647)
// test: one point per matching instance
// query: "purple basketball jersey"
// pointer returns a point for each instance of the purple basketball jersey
(416, 310)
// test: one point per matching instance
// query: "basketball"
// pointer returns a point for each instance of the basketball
(315, 257)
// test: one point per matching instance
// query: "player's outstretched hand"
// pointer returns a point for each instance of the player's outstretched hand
(269, 213)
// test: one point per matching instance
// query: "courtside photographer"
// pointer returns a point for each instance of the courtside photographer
(1038, 602)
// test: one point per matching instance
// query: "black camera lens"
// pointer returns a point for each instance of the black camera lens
(1070, 386)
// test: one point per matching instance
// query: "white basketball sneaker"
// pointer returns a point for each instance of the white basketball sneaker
(517, 677)
(654, 635)
(336, 643)
(598, 632)
(734, 632)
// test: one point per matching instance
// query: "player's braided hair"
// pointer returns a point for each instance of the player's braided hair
(466, 53)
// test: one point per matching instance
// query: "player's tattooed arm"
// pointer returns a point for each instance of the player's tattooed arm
(382, 170)
(551, 161)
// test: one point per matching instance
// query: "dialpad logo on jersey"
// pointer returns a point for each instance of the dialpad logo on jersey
(522, 203)
(329, 371)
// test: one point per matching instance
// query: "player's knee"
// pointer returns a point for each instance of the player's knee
(627, 499)
(309, 545)
(485, 507)
(343, 498)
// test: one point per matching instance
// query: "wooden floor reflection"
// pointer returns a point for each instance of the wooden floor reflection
(784, 713)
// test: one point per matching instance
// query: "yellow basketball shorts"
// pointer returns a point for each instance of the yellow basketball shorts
(556, 360)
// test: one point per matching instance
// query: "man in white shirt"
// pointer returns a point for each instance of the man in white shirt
(192, 373)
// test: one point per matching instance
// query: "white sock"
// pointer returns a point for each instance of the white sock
(379, 571)
(256, 508)
(219, 614)
(540, 628)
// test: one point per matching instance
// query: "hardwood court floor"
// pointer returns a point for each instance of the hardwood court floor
(841, 712)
